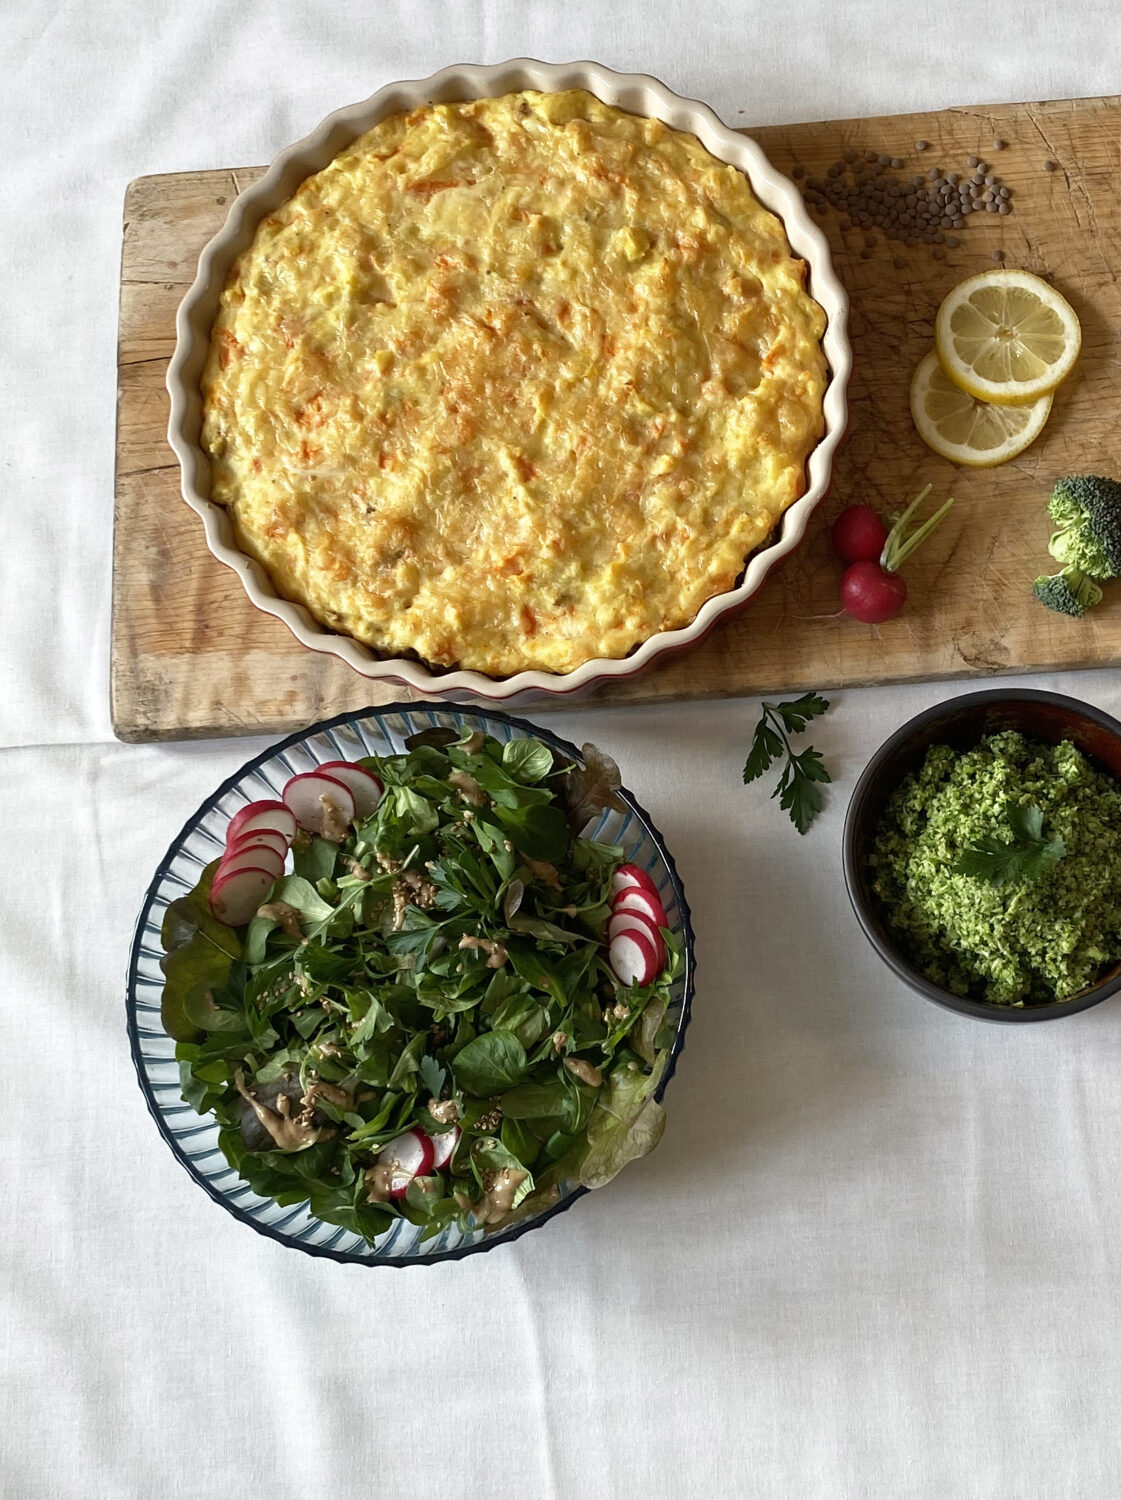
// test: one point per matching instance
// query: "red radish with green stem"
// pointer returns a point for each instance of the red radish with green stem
(872, 590)
(859, 534)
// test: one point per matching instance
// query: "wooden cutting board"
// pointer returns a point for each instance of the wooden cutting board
(192, 657)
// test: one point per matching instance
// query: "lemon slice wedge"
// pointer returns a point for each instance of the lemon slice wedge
(965, 430)
(1007, 336)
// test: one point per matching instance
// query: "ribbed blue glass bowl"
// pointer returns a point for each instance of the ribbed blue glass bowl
(194, 1138)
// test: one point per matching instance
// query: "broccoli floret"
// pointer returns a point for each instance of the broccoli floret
(1087, 511)
(1068, 593)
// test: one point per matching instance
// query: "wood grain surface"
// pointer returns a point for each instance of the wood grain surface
(192, 657)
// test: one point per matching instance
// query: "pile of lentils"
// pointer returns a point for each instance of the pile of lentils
(866, 190)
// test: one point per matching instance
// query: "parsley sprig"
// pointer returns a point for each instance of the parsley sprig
(1027, 856)
(799, 787)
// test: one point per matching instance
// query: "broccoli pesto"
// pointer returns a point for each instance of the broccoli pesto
(1034, 938)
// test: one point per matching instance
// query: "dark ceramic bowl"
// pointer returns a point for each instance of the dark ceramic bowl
(961, 723)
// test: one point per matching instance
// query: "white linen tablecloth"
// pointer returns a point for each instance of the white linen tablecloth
(875, 1255)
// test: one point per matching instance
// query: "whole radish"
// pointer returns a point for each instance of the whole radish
(859, 534)
(871, 594)
(872, 590)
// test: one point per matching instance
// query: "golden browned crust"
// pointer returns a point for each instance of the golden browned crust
(513, 384)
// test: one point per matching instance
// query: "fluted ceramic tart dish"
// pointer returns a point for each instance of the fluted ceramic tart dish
(510, 380)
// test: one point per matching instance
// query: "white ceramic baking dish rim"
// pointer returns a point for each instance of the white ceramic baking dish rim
(637, 93)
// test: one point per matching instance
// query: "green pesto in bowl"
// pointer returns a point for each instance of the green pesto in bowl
(1032, 939)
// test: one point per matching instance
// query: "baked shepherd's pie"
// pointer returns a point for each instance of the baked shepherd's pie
(513, 384)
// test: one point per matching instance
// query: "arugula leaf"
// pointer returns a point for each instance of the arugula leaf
(491, 1063)
(1027, 856)
(408, 1064)
(798, 789)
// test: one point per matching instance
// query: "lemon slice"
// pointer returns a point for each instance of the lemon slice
(965, 430)
(1006, 336)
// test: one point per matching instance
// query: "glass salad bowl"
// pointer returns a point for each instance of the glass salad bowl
(193, 1138)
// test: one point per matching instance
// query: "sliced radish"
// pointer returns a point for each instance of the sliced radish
(443, 1145)
(259, 816)
(632, 958)
(321, 804)
(641, 901)
(264, 857)
(259, 838)
(637, 921)
(364, 785)
(408, 1156)
(630, 877)
(236, 894)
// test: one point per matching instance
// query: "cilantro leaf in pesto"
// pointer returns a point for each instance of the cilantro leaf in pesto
(1026, 856)
(799, 786)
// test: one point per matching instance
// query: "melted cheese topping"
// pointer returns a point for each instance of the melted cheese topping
(513, 384)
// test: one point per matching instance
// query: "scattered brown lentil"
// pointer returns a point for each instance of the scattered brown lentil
(1050, 166)
(922, 145)
(999, 145)
(998, 255)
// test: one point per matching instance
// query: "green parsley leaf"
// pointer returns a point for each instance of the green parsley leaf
(799, 789)
(798, 713)
(1027, 856)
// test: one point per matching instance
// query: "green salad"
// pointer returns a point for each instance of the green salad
(421, 1020)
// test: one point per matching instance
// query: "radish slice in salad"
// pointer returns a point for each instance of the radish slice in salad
(632, 958)
(262, 857)
(364, 786)
(259, 816)
(236, 894)
(321, 804)
(443, 1145)
(258, 838)
(641, 901)
(631, 877)
(406, 1156)
(636, 921)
